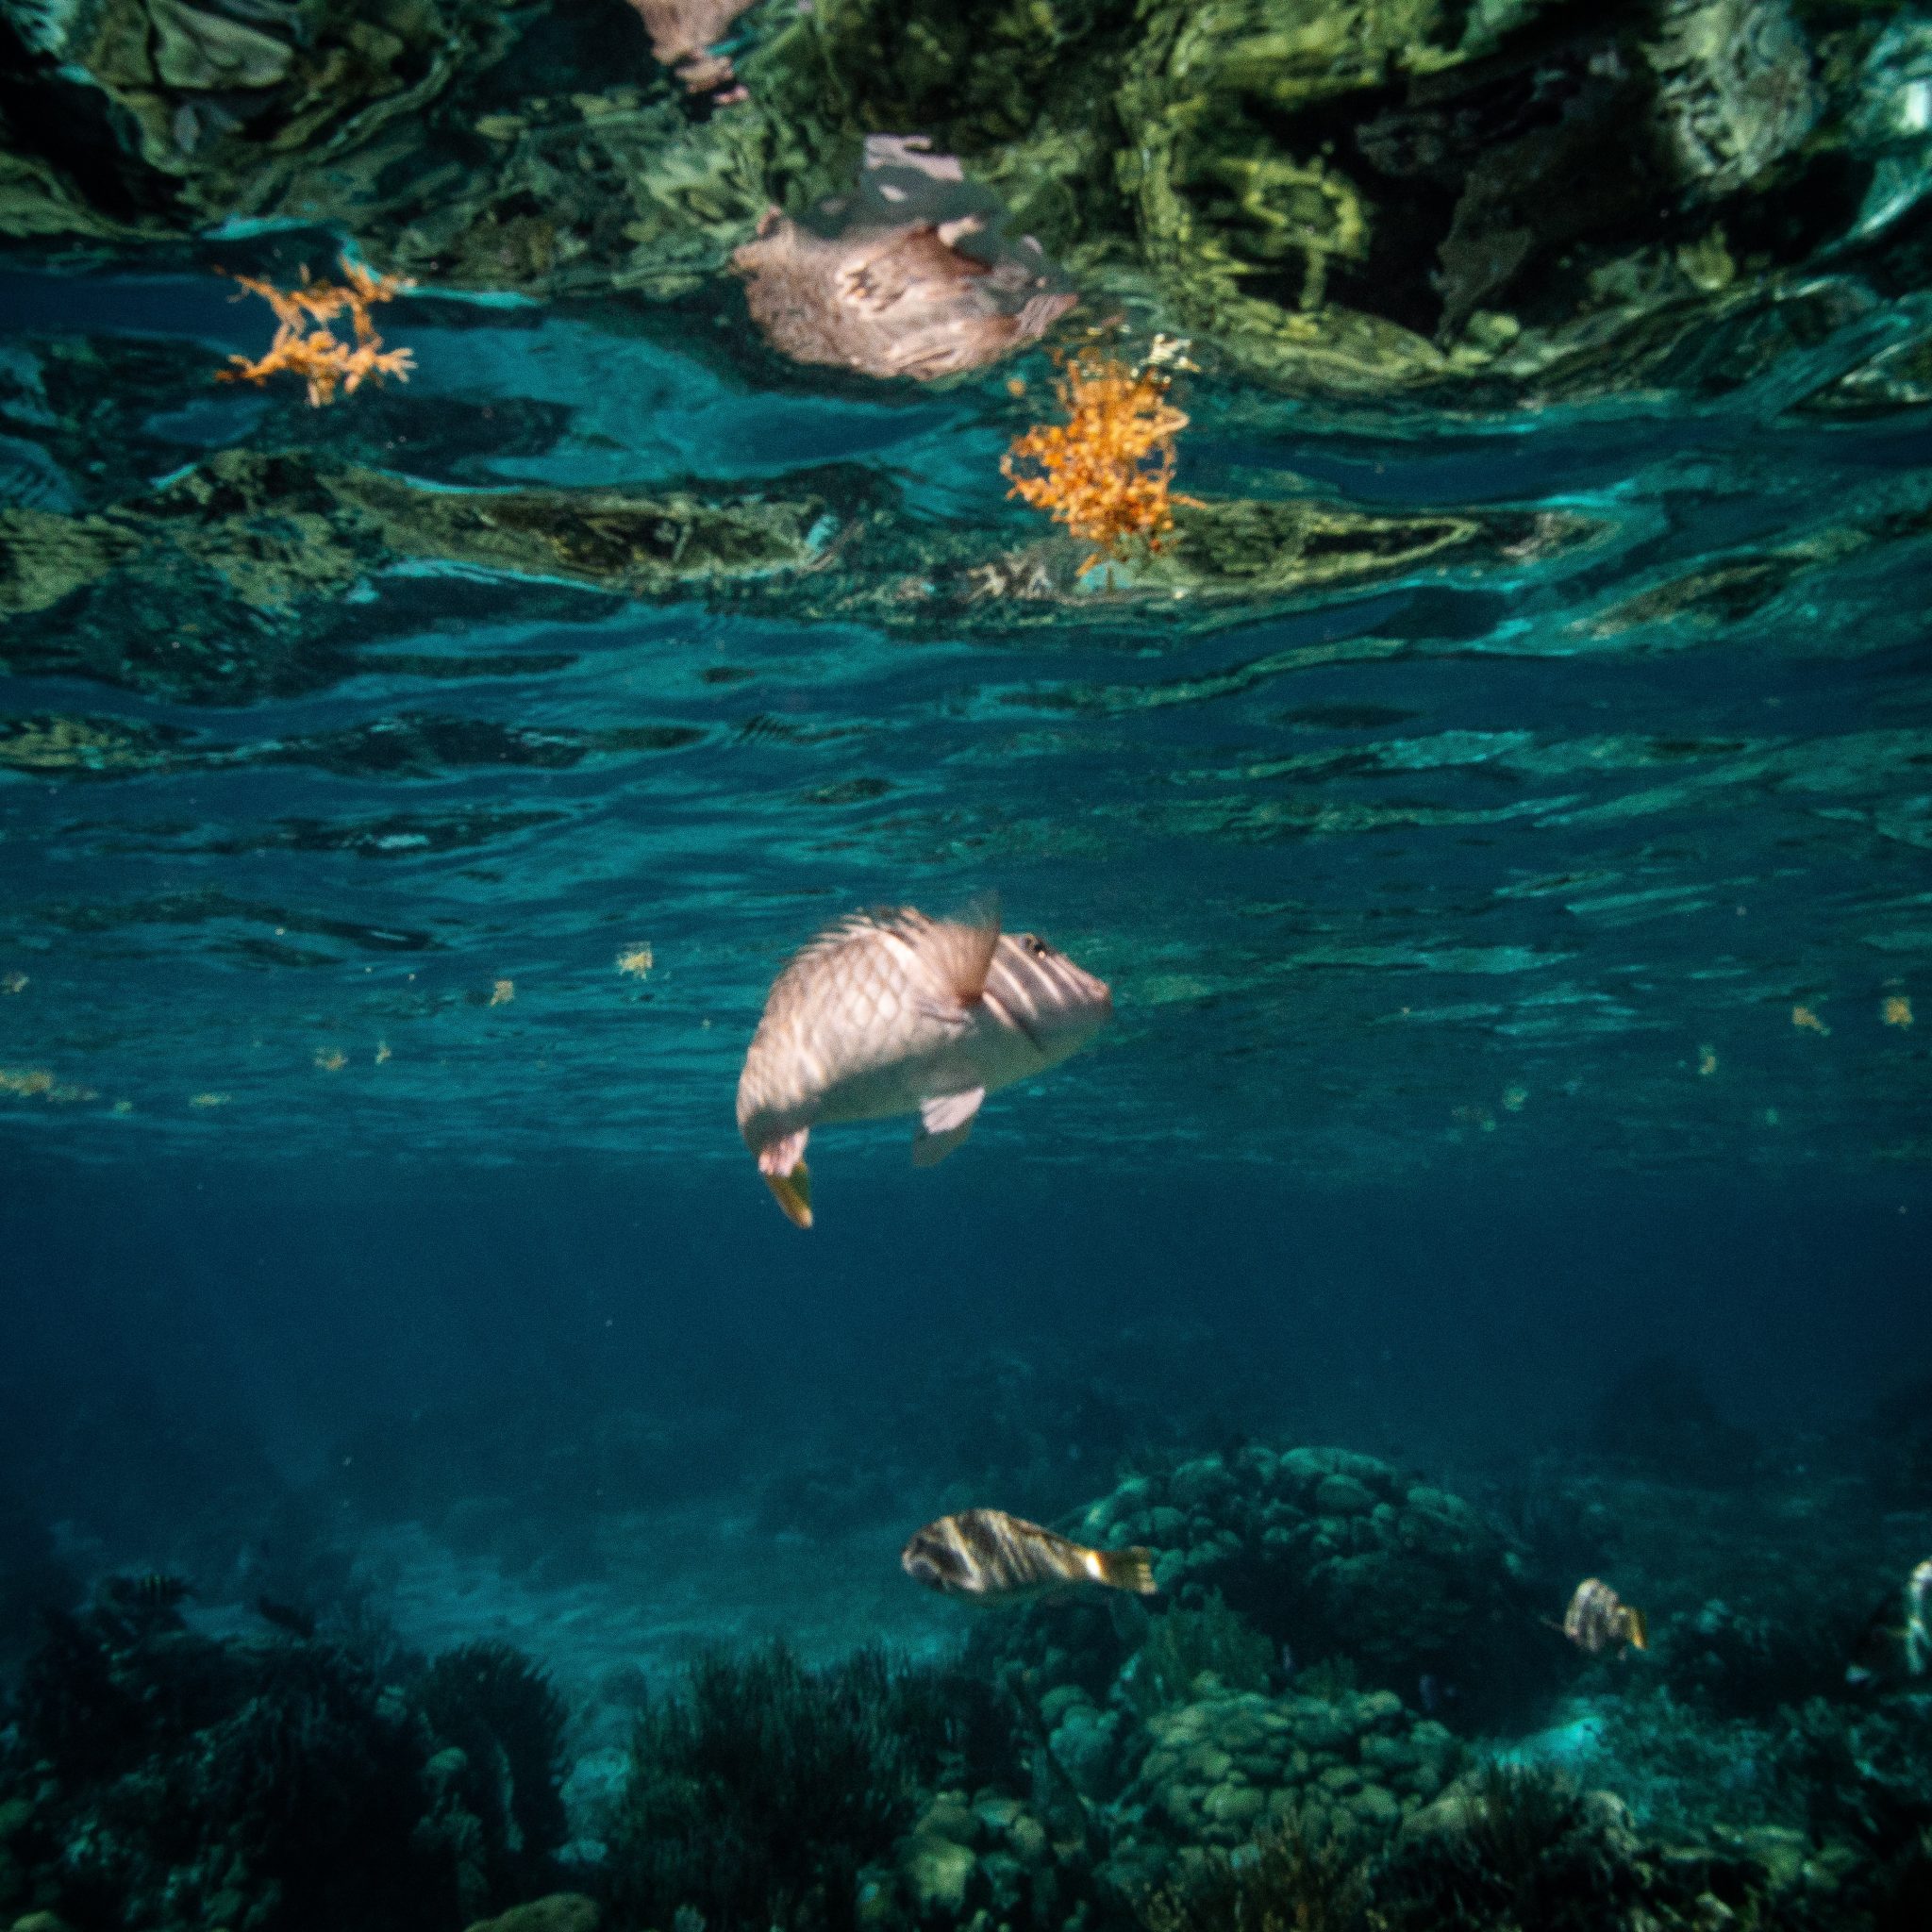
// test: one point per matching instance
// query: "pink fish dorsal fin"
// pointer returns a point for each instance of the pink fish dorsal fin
(944, 1120)
(961, 950)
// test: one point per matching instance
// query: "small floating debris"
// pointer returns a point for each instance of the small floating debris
(636, 963)
(1806, 1020)
(1895, 1011)
(501, 991)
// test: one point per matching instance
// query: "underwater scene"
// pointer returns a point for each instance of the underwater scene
(965, 966)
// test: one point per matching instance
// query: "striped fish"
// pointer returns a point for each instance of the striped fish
(992, 1557)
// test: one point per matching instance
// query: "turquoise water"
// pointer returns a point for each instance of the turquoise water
(1477, 860)
(1518, 922)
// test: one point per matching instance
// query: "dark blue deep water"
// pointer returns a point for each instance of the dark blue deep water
(424, 1449)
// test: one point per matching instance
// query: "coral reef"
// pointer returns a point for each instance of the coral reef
(759, 1793)
(1333, 1552)
(1300, 1877)
(160, 1776)
(487, 1701)
(1226, 1766)
(1183, 1643)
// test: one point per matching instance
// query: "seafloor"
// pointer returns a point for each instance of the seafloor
(630, 1667)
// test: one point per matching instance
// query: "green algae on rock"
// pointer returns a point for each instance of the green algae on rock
(238, 561)
(1350, 197)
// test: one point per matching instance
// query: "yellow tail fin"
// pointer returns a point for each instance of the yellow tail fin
(792, 1192)
(1129, 1569)
(1637, 1627)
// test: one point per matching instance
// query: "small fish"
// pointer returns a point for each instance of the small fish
(995, 1558)
(1598, 1620)
(151, 1599)
(891, 1012)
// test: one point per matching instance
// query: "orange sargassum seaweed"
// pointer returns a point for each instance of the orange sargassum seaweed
(1108, 472)
(306, 344)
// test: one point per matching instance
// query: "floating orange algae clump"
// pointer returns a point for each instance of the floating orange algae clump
(1108, 472)
(306, 344)
(1897, 1010)
(1806, 1020)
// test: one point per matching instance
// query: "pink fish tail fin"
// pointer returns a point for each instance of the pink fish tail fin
(782, 1163)
(1131, 1570)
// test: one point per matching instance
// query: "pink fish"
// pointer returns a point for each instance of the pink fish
(892, 1012)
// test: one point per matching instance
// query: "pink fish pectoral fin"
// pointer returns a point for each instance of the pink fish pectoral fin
(944, 1120)
(782, 1163)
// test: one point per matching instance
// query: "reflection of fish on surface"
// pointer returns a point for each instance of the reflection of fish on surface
(994, 1557)
(892, 1012)
(1599, 1620)
(911, 274)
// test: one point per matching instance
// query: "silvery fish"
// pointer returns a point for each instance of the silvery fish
(892, 1012)
(1000, 1558)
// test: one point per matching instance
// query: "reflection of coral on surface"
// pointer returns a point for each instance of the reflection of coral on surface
(681, 34)
(306, 344)
(1108, 472)
(908, 276)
